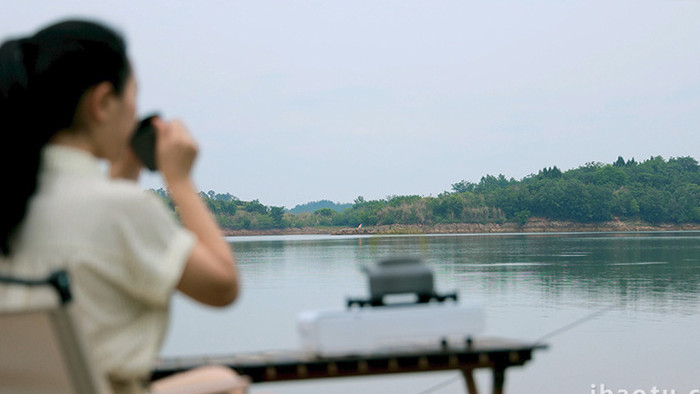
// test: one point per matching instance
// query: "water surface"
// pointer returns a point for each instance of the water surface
(531, 285)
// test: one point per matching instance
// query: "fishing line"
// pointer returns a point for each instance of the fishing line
(440, 385)
(574, 324)
(538, 341)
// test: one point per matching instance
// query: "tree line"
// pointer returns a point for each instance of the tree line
(654, 191)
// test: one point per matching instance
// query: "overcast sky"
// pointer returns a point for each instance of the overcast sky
(298, 101)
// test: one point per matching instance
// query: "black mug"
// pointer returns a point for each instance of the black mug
(143, 141)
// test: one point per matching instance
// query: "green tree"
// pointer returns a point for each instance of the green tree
(463, 186)
(255, 207)
(277, 214)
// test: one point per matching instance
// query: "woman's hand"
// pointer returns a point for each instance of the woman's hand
(176, 151)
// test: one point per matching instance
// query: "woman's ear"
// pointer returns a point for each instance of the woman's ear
(99, 101)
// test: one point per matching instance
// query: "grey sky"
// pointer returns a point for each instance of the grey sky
(296, 101)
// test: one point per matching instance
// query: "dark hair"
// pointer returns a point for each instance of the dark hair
(42, 79)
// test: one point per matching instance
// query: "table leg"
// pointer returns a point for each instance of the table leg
(499, 377)
(469, 379)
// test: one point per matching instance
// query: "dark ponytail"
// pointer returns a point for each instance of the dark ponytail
(42, 79)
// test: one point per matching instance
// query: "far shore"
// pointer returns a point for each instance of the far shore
(532, 226)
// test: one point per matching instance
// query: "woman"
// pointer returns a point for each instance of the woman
(67, 100)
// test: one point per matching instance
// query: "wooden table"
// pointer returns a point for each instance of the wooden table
(494, 354)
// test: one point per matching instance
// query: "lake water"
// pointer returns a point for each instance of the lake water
(530, 285)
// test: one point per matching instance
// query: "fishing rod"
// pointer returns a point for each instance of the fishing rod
(538, 341)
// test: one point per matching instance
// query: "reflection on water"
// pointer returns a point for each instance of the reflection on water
(657, 271)
(530, 284)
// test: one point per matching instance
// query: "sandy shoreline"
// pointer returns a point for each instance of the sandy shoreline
(533, 226)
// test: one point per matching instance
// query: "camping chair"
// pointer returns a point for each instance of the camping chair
(41, 351)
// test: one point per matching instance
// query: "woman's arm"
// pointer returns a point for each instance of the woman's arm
(210, 275)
